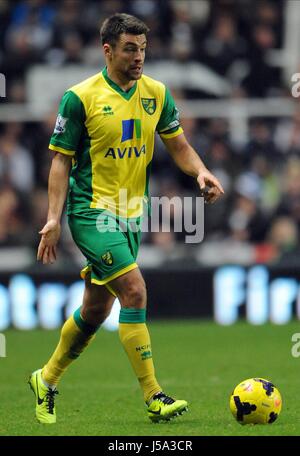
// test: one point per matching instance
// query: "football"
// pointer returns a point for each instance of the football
(255, 401)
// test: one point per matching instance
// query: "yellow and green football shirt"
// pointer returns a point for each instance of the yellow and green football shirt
(110, 134)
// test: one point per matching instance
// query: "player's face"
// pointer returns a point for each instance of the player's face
(128, 55)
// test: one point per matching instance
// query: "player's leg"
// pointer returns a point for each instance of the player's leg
(79, 330)
(76, 334)
(111, 256)
(131, 291)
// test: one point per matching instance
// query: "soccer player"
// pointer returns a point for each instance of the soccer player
(104, 138)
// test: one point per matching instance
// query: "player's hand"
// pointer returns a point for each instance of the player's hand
(210, 187)
(47, 246)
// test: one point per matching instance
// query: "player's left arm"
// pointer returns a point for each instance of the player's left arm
(187, 159)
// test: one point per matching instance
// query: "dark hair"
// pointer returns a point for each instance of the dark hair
(120, 23)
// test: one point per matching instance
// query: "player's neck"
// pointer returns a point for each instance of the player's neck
(119, 79)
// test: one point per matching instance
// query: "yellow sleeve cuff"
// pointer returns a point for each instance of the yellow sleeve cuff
(62, 150)
(171, 135)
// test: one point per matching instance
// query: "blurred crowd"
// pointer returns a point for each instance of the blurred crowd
(231, 37)
(261, 176)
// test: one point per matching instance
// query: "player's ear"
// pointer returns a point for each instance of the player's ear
(107, 50)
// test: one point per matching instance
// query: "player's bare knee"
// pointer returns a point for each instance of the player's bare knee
(135, 296)
(101, 315)
(95, 315)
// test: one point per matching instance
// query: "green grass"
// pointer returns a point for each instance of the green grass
(197, 361)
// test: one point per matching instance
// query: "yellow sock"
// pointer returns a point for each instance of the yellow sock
(76, 335)
(135, 338)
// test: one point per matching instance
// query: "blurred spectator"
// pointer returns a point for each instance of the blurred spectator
(68, 20)
(283, 237)
(182, 43)
(14, 214)
(246, 222)
(223, 46)
(290, 200)
(19, 54)
(16, 164)
(39, 205)
(71, 52)
(262, 78)
(261, 143)
(287, 134)
(16, 91)
(41, 11)
(267, 13)
(28, 35)
(270, 180)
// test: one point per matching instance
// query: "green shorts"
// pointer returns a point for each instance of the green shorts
(110, 244)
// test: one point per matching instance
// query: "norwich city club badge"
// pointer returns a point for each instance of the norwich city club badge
(107, 258)
(149, 104)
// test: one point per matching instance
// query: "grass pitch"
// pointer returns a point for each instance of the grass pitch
(198, 361)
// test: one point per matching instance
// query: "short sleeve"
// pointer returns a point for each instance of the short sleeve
(69, 124)
(169, 125)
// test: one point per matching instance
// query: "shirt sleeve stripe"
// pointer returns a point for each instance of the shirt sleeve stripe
(62, 150)
(171, 134)
(169, 130)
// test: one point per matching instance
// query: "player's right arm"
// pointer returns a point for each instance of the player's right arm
(64, 142)
(57, 192)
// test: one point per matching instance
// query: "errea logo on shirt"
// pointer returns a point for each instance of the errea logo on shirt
(107, 110)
